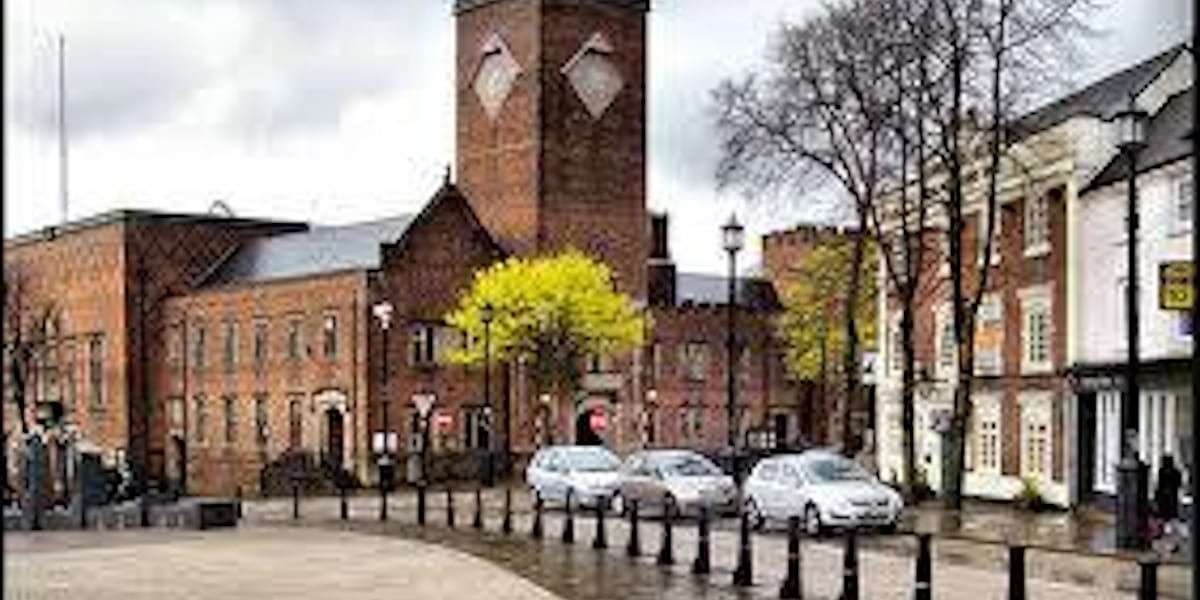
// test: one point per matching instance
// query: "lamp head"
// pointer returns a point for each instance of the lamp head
(733, 234)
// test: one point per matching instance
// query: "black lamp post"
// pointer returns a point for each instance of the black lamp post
(732, 237)
(383, 312)
(486, 314)
(1132, 476)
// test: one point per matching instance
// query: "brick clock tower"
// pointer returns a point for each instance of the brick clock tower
(552, 126)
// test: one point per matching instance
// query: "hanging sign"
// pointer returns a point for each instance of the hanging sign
(1175, 291)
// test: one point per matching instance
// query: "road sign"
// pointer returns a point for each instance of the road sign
(424, 402)
(377, 442)
(1175, 291)
(598, 420)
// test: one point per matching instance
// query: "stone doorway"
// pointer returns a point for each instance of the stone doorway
(335, 437)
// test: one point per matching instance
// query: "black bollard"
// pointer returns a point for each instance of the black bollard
(295, 500)
(1149, 589)
(478, 522)
(449, 508)
(791, 588)
(850, 568)
(537, 532)
(507, 527)
(600, 541)
(743, 574)
(83, 520)
(634, 547)
(239, 502)
(702, 565)
(421, 504)
(666, 554)
(144, 510)
(924, 586)
(345, 513)
(568, 532)
(1016, 573)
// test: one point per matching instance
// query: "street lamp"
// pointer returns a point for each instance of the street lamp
(486, 314)
(383, 312)
(1132, 477)
(732, 237)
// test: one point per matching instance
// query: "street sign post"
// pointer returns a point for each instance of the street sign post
(1175, 288)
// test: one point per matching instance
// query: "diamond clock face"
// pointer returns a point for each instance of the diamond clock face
(594, 77)
(497, 73)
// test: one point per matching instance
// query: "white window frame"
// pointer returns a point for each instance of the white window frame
(988, 434)
(945, 365)
(1037, 417)
(1036, 301)
(1037, 225)
(1179, 217)
(895, 351)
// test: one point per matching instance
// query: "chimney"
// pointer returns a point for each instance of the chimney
(661, 269)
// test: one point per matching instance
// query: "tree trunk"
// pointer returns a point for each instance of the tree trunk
(907, 392)
(850, 358)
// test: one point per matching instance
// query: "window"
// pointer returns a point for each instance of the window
(477, 432)
(230, 420)
(987, 435)
(201, 418)
(1036, 435)
(980, 246)
(947, 345)
(895, 347)
(231, 343)
(176, 414)
(695, 360)
(260, 345)
(1184, 329)
(655, 358)
(295, 424)
(989, 336)
(1180, 217)
(329, 329)
(199, 348)
(68, 375)
(1037, 226)
(174, 345)
(293, 339)
(96, 369)
(696, 424)
(1036, 330)
(422, 347)
(260, 419)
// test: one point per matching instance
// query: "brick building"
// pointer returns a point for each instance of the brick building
(236, 343)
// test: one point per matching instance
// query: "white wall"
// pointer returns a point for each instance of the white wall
(1101, 265)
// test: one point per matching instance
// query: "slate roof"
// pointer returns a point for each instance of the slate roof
(702, 288)
(1165, 140)
(1102, 98)
(321, 249)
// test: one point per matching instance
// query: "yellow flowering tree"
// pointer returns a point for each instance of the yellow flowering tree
(551, 312)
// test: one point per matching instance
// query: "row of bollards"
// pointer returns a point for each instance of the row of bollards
(791, 587)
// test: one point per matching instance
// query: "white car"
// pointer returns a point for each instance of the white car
(825, 489)
(589, 473)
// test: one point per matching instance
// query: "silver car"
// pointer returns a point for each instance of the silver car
(653, 478)
(587, 473)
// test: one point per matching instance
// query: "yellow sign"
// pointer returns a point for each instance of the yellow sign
(1175, 291)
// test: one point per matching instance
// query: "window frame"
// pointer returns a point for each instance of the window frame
(1037, 301)
(96, 354)
(1037, 435)
(329, 335)
(1037, 226)
(1181, 205)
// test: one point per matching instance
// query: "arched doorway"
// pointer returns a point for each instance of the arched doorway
(585, 433)
(335, 437)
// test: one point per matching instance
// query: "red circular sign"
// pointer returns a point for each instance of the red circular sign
(598, 421)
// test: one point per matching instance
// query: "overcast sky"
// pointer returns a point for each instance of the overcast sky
(342, 110)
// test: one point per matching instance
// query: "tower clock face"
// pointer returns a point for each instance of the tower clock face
(593, 75)
(497, 73)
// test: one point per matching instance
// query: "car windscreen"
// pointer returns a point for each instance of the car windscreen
(688, 466)
(596, 459)
(835, 469)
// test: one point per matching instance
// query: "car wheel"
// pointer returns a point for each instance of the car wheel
(812, 521)
(757, 518)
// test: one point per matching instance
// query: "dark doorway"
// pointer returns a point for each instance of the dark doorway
(781, 431)
(1086, 442)
(334, 441)
(180, 448)
(584, 434)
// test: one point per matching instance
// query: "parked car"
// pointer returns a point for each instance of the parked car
(825, 489)
(687, 478)
(589, 473)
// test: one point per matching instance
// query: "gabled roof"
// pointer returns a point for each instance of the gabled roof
(702, 288)
(1100, 99)
(320, 250)
(1166, 141)
(642, 5)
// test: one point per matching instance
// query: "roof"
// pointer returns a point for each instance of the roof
(322, 249)
(1166, 140)
(1100, 99)
(702, 288)
(642, 5)
(138, 216)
